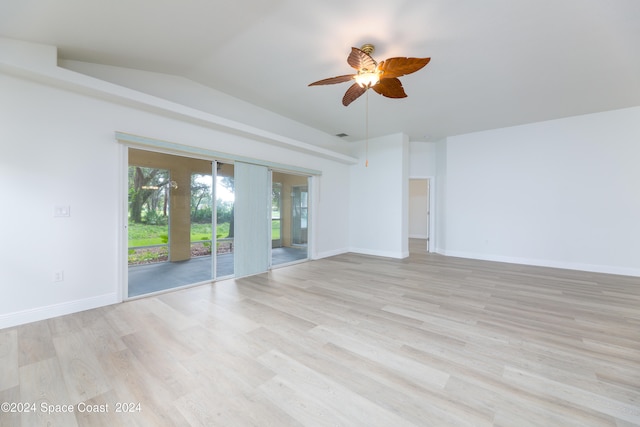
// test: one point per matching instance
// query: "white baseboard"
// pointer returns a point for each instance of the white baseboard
(386, 254)
(50, 311)
(328, 254)
(593, 268)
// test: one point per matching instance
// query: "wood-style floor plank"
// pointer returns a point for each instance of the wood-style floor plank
(350, 340)
(9, 375)
(42, 385)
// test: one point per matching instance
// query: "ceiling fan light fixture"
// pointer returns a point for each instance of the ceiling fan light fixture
(381, 77)
(367, 79)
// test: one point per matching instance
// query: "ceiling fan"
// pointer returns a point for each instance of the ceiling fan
(381, 77)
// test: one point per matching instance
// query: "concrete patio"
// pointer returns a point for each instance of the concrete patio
(148, 278)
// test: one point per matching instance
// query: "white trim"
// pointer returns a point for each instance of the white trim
(311, 214)
(55, 310)
(270, 210)
(593, 268)
(327, 254)
(385, 254)
(432, 214)
(313, 183)
(214, 220)
(123, 225)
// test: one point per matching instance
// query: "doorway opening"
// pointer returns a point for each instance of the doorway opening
(420, 221)
(289, 218)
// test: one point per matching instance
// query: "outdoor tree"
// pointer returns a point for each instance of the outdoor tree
(200, 198)
(146, 187)
(228, 183)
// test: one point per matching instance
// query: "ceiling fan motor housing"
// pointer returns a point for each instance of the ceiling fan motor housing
(368, 48)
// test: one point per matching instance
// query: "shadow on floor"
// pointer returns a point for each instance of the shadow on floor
(144, 279)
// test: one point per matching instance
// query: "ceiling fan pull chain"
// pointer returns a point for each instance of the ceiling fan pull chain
(366, 144)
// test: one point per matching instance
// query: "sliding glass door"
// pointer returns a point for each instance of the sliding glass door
(192, 220)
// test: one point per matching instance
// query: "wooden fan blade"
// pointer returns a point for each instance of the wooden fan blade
(333, 80)
(353, 93)
(396, 67)
(361, 60)
(391, 88)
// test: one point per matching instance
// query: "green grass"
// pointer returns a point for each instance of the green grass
(148, 235)
(200, 232)
(275, 230)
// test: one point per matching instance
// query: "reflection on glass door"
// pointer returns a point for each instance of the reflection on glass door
(290, 223)
(299, 217)
(276, 216)
(225, 198)
(201, 235)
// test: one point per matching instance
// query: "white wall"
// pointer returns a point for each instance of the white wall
(422, 159)
(378, 210)
(204, 98)
(561, 193)
(329, 213)
(58, 148)
(439, 235)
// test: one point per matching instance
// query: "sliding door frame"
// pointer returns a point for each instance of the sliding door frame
(214, 220)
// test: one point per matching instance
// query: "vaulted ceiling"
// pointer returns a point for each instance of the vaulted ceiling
(495, 63)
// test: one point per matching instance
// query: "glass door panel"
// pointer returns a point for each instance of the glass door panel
(276, 218)
(169, 227)
(148, 218)
(201, 228)
(225, 202)
(299, 217)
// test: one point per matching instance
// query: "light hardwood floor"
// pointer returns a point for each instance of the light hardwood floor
(350, 340)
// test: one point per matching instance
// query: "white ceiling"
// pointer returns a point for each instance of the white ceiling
(495, 63)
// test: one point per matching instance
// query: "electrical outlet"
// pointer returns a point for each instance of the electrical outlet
(58, 276)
